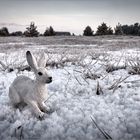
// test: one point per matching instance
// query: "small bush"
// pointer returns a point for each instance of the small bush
(88, 31)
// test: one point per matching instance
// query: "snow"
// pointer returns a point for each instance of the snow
(74, 101)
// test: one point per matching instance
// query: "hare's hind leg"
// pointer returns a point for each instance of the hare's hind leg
(14, 97)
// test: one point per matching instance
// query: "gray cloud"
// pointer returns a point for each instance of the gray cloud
(67, 6)
(75, 11)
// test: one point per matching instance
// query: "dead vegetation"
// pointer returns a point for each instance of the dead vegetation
(133, 65)
(111, 68)
(90, 66)
(99, 90)
(117, 83)
(104, 133)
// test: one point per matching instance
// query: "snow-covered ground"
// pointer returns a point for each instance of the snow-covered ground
(79, 70)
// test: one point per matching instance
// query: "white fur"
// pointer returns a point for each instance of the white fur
(31, 92)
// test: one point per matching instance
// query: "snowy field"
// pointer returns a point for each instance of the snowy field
(96, 80)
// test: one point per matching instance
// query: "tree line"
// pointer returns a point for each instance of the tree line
(102, 29)
(31, 31)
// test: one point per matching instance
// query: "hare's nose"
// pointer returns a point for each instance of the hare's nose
(50, 78)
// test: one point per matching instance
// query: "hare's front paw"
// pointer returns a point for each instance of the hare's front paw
(48, 110)
(45, 109)
(40, 115)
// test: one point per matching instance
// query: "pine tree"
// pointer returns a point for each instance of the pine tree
(4, 31)
(110, 31)
(31, 31)
(49, 32)
(136, 29)
(102, 29)
(88, 31)
(118, 29)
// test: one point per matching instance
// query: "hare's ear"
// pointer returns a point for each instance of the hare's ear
(31, 60)
(42, 60)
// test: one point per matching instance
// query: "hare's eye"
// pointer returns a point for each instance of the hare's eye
(40, 73)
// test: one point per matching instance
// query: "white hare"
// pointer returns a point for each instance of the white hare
(32, 92)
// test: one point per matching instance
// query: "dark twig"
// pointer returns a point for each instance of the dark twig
(107, 136)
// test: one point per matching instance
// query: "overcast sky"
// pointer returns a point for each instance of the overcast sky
(70, 15)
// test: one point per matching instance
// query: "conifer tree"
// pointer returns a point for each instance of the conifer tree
(31, 31)
(118, 29)
(4, 31)
(88, 31)
(49, 31)
(102, 29)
